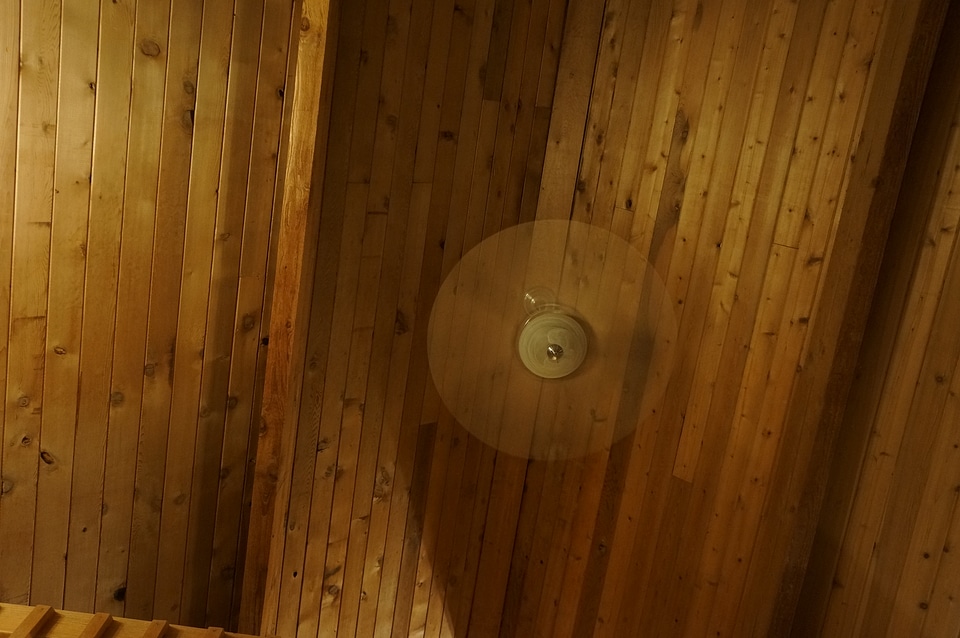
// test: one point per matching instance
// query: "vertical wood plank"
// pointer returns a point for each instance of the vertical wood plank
(241, 422)
(133, 289)
(240, 65)
(180, 91)
(71, 204)
(572, 94)
(29, 271)
(9, 105)
(112, 117)
(202, 198)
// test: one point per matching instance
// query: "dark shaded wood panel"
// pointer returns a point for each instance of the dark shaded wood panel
(740, 148)
(893, 452)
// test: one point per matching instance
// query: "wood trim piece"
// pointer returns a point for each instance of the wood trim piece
(33, 623)
(97, 625)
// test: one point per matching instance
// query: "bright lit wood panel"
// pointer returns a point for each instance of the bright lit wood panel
(138, 163)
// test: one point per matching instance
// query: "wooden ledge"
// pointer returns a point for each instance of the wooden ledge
(42, 621)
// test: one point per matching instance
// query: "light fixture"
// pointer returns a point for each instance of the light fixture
(551, 339)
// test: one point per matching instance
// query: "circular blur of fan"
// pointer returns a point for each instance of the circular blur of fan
(566, 375)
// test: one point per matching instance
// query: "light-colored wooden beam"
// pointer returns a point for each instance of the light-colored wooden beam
(303, 163)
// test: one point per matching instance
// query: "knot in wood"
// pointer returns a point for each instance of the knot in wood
(149, 48)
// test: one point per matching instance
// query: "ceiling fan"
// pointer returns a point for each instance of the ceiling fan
(551, 339)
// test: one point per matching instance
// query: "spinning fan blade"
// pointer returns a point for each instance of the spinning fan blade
(551, 339)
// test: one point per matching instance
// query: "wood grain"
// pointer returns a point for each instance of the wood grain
(718, 139)
(214, 414)
(110, 134)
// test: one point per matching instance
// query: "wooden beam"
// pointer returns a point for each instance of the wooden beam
(33, 623)
(303, 167)
(97, 626)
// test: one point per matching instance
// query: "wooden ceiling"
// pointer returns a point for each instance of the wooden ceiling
(752, 151)
(138, 155)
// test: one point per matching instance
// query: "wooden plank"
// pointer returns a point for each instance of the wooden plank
(69, 624)
(445, 235)
(654, 123)
(448, 43)
(34, 623)
(112, 117)
(377, 472)
(935, 511)
(820, 94)
(407, 502)
(319, 584)
(240, 66)
(610, 107)
(445, 474)
(9, 134)
(514, 121)
(943, 614)
(757, 136)
(156, 629)
(401, 105)
(498, 51)
(599, 113)
(444, 482)
(250, 320)
(373, 43)
(550, 60)
(176, 141)
(907, 482)
(133, 287)
(576, 65)
(32, 209)
(342, 526)
(603, 291)
(734, 235)
(388, 453)
(71, 203)
(752, 442)
(295, 257)
(202, 197)
(99, 623)
(410, 503)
